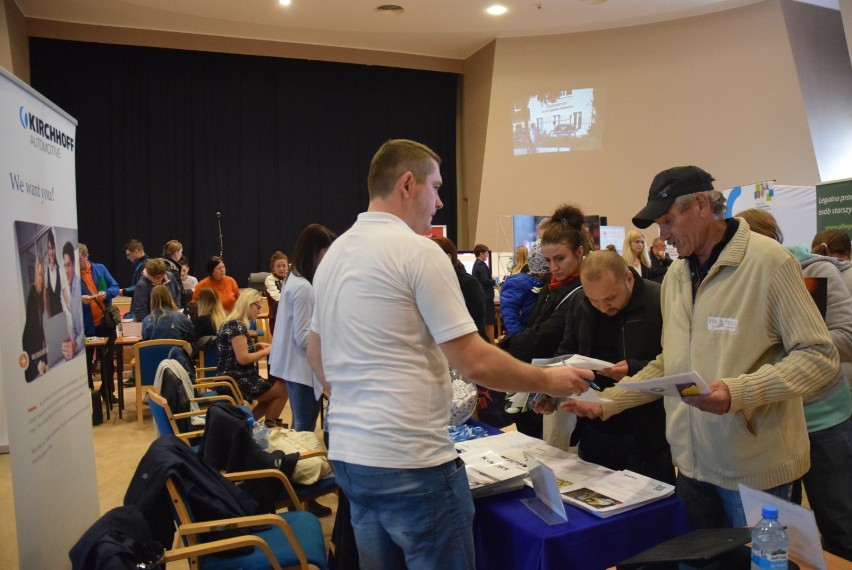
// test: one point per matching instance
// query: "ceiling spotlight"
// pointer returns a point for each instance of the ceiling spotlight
(284, 2)
(390, 9)
(497, 10)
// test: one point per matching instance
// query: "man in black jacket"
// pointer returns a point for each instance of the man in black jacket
(660, 261)
(617, 318)
(482, 273)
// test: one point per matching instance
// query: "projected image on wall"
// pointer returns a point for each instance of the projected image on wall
(555, 121)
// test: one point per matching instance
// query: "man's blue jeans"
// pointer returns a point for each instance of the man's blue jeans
(710, 506)
(414, 518)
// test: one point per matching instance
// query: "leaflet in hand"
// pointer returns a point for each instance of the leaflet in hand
(676, 385)
(575, 360)
(616, 493)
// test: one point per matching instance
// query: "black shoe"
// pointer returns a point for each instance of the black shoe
(317, 509)
(276, 423)
(129, 383)
(112, 398)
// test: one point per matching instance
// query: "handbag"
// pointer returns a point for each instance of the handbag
(112, 316)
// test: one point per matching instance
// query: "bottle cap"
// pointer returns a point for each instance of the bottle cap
(770, 512)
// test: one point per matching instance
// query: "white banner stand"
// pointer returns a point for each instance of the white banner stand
(46, 418)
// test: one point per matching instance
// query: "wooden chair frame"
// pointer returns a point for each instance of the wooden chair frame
(186, 436)
(190, 530)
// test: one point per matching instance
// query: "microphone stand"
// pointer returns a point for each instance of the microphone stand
(219, 222)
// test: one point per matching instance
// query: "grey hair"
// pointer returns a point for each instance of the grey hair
(718, 203)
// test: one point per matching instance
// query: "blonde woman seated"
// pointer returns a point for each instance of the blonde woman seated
(239, 355)
(165, 320)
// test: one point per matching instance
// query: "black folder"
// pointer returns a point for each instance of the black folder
(703, 548)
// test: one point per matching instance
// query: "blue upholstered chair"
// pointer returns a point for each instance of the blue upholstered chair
(148, 355)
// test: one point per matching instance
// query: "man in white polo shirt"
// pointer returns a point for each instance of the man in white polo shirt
(389, 314)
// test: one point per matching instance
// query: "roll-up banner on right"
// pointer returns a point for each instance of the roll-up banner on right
(834, 206)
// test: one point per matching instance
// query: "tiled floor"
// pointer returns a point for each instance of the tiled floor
(118, 447)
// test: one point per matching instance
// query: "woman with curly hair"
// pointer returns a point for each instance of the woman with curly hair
(564, 242)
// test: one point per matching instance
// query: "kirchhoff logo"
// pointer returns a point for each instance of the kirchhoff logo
(45, 130)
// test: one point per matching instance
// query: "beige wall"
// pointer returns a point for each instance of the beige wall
(14, 46)
(719, 91)
(846, 13)
(5, 48)
(475, 110)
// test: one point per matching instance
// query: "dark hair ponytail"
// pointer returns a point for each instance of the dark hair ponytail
(567, 226)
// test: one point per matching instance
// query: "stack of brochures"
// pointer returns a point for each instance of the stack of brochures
(489, 473)
(498, 464)
(616, 492)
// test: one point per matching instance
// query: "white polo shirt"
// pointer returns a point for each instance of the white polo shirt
(385, 298)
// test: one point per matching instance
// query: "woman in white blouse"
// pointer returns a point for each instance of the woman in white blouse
(287, 358)
(279, 267)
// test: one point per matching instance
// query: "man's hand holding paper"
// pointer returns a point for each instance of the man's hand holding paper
(567, 380)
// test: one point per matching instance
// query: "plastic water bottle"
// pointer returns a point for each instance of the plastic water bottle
(769, 542)
(260, 433)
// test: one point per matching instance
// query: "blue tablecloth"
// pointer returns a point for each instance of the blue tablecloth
(509, 536)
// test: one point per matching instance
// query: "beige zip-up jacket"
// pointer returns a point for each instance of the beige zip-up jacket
(754, 326)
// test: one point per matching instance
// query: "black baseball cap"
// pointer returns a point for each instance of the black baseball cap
(668, 185)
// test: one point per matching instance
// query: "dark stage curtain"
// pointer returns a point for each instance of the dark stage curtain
(167, 138)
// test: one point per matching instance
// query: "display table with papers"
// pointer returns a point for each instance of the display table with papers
(507, 534)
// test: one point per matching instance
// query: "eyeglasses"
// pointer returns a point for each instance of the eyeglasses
(257, 306)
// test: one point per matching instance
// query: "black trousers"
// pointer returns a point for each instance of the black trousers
(107, 356)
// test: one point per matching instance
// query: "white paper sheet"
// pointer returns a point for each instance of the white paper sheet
(676, 385)
(575, 360)
(802, 533)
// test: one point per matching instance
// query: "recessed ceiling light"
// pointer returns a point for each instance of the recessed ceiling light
(390, 9)
(284, 2)
(497, 10)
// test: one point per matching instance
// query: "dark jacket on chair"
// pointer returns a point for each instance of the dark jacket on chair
(208, 494)
(228, 444)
